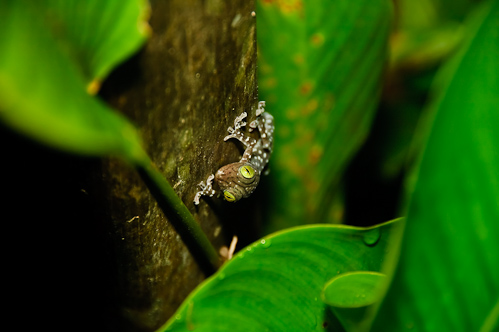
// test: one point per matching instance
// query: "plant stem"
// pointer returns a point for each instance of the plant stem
(180, 217)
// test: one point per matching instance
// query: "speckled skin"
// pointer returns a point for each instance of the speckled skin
(231, 179)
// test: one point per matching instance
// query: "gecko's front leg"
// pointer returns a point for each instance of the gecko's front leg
(206, 189)
(237, 133)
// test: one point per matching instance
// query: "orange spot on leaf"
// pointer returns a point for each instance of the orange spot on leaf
(270, 83)
(298, 59)
(305, 88)
(310, 107)
(290, 6)
(317, 39)
(315, 154)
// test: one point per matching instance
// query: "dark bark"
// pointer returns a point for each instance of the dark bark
(195, 75)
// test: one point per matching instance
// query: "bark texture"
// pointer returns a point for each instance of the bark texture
(194, 76)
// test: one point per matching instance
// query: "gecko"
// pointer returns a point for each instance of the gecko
(239, 180)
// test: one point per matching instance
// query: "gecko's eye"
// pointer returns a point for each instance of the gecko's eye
(247, 172)
(229, 197)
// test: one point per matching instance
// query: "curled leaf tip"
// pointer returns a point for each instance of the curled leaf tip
(145, 29)
(93, 87)
(143, 22)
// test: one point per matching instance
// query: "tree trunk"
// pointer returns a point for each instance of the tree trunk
(195, 75)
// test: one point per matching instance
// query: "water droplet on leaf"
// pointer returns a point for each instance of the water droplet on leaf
(372, 236)
(265, 243)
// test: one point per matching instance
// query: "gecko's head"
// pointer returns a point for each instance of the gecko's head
(237, 180)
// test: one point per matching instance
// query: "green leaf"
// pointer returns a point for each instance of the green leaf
(351, 294)
(448, 278)
(50, 52)
(320, 68)
(275, 284)
(353, 290)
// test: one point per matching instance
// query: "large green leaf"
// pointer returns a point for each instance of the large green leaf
(448, 278)
(320, 68)
(50, 53)
(275, 284)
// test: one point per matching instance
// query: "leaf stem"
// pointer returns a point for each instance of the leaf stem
(180, 217)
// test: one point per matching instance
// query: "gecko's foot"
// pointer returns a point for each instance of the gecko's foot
(238, 123)
(261, 108)
(206, 189)
(259, 111)
(238, 134)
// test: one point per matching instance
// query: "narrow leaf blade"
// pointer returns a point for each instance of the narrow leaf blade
(448, 278)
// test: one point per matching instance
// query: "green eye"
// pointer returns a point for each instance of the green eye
(229, 197)
(247, 171)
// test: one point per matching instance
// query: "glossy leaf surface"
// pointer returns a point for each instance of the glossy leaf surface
(353, 290)
(275, 284)
(352, 295)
